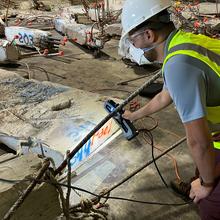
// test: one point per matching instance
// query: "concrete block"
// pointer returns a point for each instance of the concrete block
(26, 36)
(113, 29)
(60, 24)
(8, 52)
(84, 35)
(208, 8)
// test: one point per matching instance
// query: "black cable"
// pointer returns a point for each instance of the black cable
(123, 199)
(11, 181)
(150, 136)
(155, 163)
(96, 195)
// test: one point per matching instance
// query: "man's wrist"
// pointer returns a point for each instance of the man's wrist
(207, 184)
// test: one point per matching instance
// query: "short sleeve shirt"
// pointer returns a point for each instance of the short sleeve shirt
(192, 84)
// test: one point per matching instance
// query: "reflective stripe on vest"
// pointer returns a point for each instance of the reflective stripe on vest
(200, 47)
(216, 145)
(190, 44)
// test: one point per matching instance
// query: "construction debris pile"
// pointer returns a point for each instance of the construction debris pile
(199, 18)
(7, 4)
(89, 24)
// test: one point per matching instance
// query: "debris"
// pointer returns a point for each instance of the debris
(208, 8)
(5, 3)
(9, 53)
(21, 168)
(39, 5)
(82, 34)
(25, 5)
(32, 38)
(61, 106)
(196, 17)
(86, 25)
(113, 29)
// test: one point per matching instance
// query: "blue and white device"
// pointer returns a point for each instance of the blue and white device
(129, 131)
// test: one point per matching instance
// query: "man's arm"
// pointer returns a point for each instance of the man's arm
(201, 147)
(160, 101)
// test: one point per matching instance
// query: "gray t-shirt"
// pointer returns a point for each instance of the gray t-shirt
(193, 85)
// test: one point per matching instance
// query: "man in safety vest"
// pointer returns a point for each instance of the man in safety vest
(191, 71)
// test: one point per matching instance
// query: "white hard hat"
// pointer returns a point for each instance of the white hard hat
(135, 12)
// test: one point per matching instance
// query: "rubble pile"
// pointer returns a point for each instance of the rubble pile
(11, 4)
(90, 24)
(199, 18)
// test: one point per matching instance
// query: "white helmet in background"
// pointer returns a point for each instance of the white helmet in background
(135, 12)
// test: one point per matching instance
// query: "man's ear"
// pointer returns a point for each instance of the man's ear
(150, 35)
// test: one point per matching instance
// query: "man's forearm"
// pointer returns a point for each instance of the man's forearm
(204, 158)
(159, 102)
(200, 144)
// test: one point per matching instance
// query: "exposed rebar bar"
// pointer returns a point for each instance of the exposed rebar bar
(69, 186)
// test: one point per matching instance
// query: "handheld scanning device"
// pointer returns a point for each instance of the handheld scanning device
(129, 131)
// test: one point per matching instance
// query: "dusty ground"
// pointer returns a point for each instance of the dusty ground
(79, 69)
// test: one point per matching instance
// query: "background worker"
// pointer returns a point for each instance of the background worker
(191, 71)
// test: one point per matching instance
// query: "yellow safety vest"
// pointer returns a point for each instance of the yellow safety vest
(203, 48)
(216, 145)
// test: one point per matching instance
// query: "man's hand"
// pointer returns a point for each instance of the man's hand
(198, 191)
(160, 101)
(129, 115)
